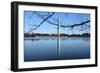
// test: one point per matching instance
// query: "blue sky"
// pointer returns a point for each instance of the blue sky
(31, 20)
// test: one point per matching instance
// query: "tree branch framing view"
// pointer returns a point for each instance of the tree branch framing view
(73, 22)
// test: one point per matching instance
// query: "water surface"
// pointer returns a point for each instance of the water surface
(47, 49)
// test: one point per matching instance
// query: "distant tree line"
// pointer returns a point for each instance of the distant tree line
(81, 35)
(61, 34)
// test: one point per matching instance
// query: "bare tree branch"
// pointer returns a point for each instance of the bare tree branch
(41, 23)
(76, 24)
(62, 24)
(44, 18)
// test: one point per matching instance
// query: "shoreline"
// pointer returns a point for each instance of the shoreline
(53, 38)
